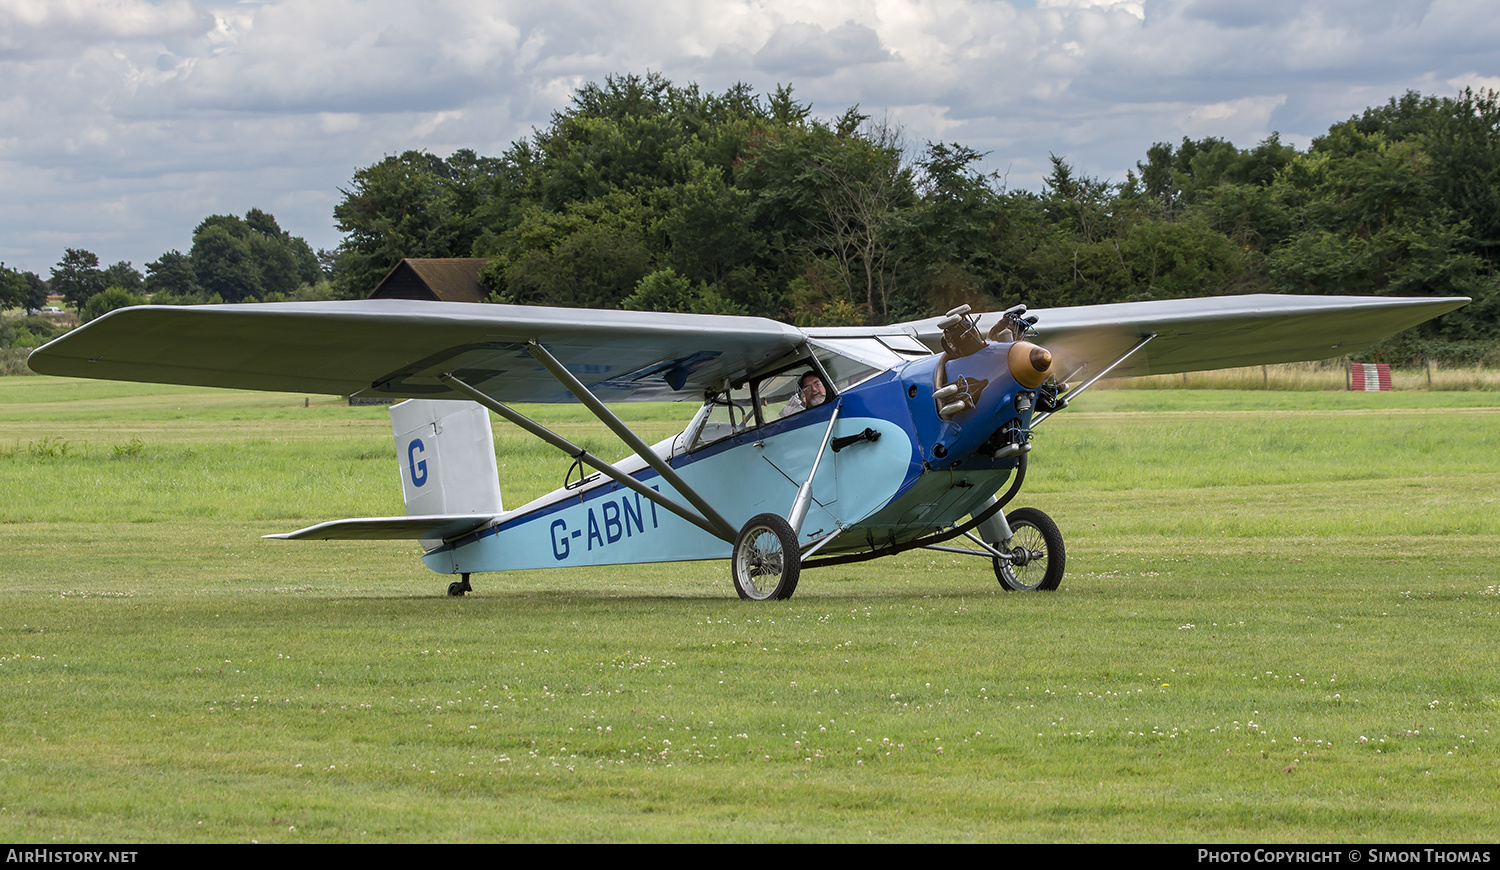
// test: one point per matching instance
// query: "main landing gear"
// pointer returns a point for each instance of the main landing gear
(766, 561)
(1037, 558)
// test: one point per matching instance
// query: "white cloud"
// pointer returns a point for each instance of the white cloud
(1474, 81)
(43, 27)
(125, 122)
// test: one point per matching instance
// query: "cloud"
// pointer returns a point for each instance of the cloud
(125, 122)
(54, 28)
(802, 49)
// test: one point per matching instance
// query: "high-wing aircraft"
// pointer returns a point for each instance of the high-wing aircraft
(811, 447)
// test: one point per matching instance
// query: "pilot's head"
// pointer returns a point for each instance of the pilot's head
(810, 388)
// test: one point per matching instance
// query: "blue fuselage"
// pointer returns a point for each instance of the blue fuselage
(921, 474)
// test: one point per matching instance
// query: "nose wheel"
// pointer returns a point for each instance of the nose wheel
(1037, 558)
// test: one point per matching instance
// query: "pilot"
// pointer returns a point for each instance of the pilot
(810, 394)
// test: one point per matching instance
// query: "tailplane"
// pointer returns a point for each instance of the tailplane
(446, 451)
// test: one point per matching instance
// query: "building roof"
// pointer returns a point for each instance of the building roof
(452, 279)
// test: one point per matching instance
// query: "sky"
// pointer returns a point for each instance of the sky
(124, 123)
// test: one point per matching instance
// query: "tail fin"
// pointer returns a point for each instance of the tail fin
(447, 455)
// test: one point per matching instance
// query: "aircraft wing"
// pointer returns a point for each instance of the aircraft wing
(398, 348)
(1219, 332)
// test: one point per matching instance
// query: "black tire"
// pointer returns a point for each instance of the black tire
(456, 589)
(1042, 569)
(766, 561)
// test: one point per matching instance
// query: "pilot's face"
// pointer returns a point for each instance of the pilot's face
(812, 393)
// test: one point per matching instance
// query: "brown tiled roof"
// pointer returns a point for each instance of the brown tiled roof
(454, 279)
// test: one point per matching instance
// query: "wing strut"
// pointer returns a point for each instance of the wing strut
(632, 440)
(583, 455)
(1091, 381)
(804, 492)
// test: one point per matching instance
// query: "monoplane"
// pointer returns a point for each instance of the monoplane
(810, 447)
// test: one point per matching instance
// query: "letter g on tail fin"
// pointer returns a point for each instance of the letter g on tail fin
(447, 455)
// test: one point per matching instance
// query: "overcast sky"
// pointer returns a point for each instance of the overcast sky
(123, 123)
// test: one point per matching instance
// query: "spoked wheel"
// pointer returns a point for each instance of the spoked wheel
(1037, 553)
(766, 561)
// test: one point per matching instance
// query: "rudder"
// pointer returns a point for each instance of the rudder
(446, 450)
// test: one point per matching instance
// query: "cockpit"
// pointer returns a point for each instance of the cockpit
(810, 376)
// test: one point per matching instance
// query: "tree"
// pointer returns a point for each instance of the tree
(36, 291)
(171, 277)
(666, 290)
(412, 205)
(123, 275)
(244, 260)
(590, 256)
(77, 277)
(107, 301)
(865, 186)
(223, 263)
(1081, 205)
(1184, 175)
(953, 237)
(828, 193)
(707, 226)
(1460, 136)
(12, 288)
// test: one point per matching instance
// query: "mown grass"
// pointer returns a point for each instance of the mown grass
(1278, 625)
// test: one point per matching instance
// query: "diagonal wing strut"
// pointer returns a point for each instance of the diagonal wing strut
(721, 529)
(1093, 380)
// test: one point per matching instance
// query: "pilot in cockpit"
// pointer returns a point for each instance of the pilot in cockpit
(811, 393)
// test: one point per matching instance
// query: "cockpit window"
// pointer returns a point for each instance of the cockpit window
(790, 385)
(905, 345)
(728, 414)
(786, 393)
(852, 361)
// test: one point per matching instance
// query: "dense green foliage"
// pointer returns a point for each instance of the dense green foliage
(246, 260)
(31, 331)
(250, 259)
(647, 194)
(112, 298)
(25, 290)
(77, 277)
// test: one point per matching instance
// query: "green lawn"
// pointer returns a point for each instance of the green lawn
(1279, 624)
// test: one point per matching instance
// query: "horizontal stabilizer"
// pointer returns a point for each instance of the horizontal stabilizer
(390, 528)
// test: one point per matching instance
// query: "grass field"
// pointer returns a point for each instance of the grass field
(1327, 375)
(1279, 624)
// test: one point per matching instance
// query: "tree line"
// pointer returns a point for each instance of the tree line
(232, 259)
(651, 195)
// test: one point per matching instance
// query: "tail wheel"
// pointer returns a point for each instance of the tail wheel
(1038, 558)
(766, 561)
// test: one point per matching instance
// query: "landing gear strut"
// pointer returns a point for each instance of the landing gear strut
(457, 588)
(1037, 557)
